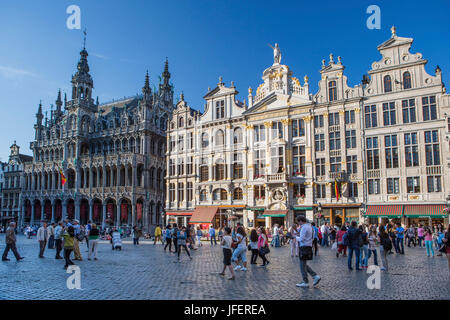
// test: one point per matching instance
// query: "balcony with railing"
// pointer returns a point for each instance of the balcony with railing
(339, 175)
(277, 177)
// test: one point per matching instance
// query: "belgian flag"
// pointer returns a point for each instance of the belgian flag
(63, 177)
(336, 190)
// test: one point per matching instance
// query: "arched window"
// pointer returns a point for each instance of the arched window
(237, 194)
(181, 122)
(220, 139)
(332, 90)
(220, 194)
(406, 80)
(237, 136)
(203, 195)
(205, 140)
(387, 84)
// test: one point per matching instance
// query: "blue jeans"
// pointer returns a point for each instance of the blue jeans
(305, 269)
(324, 240)
(374, 256)
(239, 253)
(213, 238)
(364, 251)
(429, 246)
(350, 255)
(276, 241)
(400, 248)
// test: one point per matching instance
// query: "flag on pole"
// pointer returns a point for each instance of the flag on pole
(336, 190)
(63, 177)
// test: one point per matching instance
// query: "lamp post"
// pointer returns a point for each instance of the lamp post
(319, 209)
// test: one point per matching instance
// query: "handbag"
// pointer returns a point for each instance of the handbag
(306, 253)
(264, 250)
(249, 248)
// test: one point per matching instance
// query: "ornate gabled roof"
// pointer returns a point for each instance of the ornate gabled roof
(395, 40)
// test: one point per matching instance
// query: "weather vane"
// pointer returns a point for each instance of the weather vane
(84, 40)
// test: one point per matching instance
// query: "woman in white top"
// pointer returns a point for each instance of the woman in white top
(225, 243)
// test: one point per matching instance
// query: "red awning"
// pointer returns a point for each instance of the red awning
(425, 210)
(178, 213)
(388, 211)
(203, 214)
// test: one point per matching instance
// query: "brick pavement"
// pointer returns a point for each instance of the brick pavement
(146, 272)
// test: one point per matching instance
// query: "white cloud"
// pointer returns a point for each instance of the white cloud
(98, 55)
(10, 72)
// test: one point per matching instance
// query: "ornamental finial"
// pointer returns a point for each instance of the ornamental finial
(394, 31)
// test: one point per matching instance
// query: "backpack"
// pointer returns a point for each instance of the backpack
(387, 244)
(345, 239)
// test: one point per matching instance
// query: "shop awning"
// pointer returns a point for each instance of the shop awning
(384, 211)
(256, 209)
(425, 211)
(178, 213)
(302, 208)
(275, 213)
(203, 214)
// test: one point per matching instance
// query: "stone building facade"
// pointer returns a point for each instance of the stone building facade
(376, 150)
(11, 184)
(111, 154)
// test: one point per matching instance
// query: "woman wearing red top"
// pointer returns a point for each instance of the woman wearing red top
(262, 243)
(340, 242)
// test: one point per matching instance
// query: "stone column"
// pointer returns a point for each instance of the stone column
(77, 209)
(53, 211)
(133, 213)
(64, 209)
(103, 215)
(90, 178)
(43, 211)
(32, 213)
(91, 209)
(118, 215)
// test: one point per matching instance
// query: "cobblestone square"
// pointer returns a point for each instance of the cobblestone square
(147, 272)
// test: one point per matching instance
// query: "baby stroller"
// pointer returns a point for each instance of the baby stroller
(116, 241)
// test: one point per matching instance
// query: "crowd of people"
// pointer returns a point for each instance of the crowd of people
(361, 241)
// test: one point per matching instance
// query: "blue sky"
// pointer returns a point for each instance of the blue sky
(203, 39)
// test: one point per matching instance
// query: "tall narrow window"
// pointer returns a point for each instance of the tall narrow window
(298, 154)
(319, 142)
(387, 83)
(220, 109)
(335, 140)
(393, 185)
(429, 108)
(409, 110)
(260, 133)
(411, 150)
(180, 191)
(389, 113)
(205, 140)
(277, 130)
(406, 80)
(434, 184)
(349, 116)
(352, 166)
(220, 138)
(318, 121)
(260, 163)
(333, 119)
(373, 186)
(391, 150)
(373, 158)
(350, 139)
(190, 191)
(335, 164)
(172, 192)
(332, 90)
(432, 148)
(298, 128)
(237, 136)
(413, 184)
(320, 167)
(370, 116)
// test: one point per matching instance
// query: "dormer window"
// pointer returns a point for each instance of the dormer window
(387, 84)
(406, 80)
(332, 90)
(181, 122)
(220, 109)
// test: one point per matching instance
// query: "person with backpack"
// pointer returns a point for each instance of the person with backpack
(352, 239)
(174, 237)
(181, 242)
(364, 249)
(385, 246)
(305, 239)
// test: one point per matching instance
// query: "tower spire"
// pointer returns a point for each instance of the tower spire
(84, 39)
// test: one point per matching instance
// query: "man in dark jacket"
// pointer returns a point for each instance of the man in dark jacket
(354, 240)
(11, 243)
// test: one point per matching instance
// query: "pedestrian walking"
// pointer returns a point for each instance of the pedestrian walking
(58, 240)
(174, 236)
(354, 240)
(276, 236)
(293, 233)
(181, 242)
(254, 246)
(400, 233)
(79, 236)
(94, 235)
(385, 246)
(373, 245)
(342, 248)
(168, 236)
(325, 230)
(69, 240)
(420, 235)
(51, 238)
(135, 236)
(158, 234)
(446, 242)
(263, 246)
(87, 229)
(28, 231)
(305, 252)
(364, 249)
(42, 237)
(240, 253)
(225, 243)
(411, 235)
(10, 241)
(199, 235)
(212, 235)
(429, 242)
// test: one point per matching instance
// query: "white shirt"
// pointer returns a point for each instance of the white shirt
(227, 242)
(306, 235)
(275, 231)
